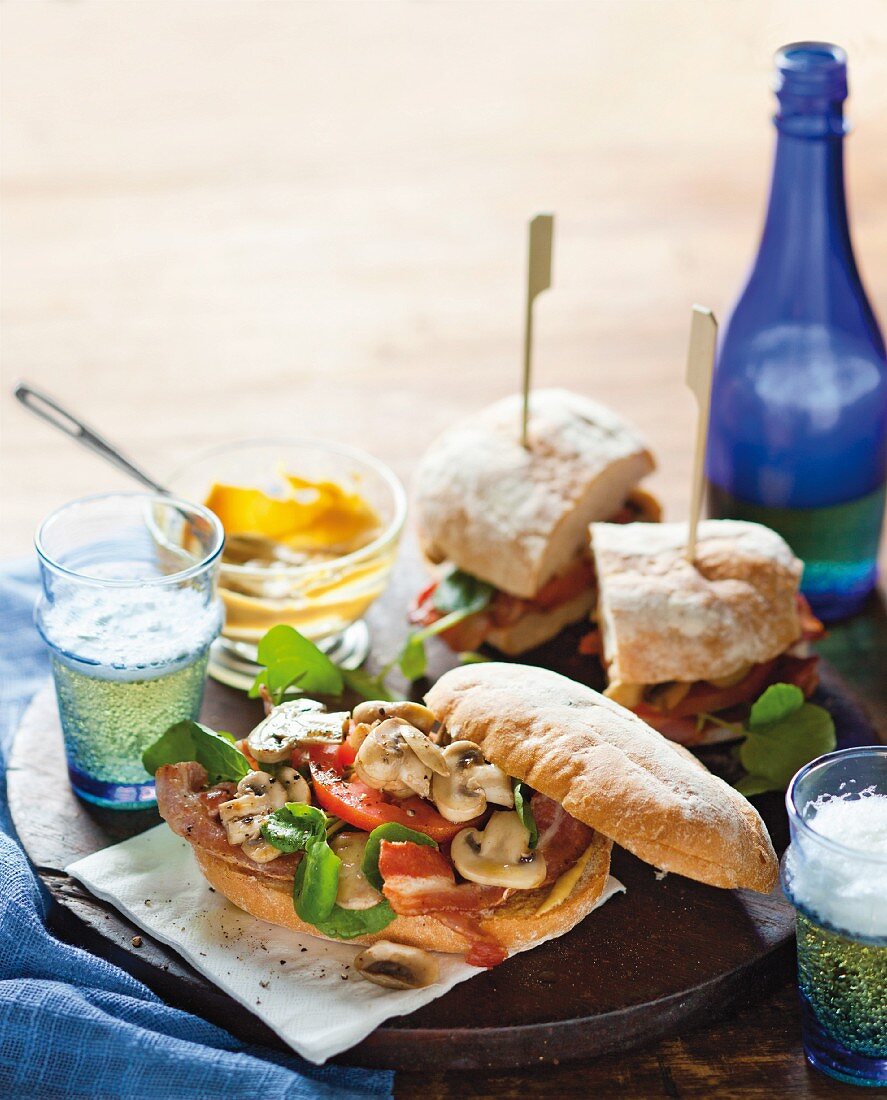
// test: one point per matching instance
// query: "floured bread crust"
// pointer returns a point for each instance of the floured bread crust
(662, 618)
(516, 516)
(515, 924)
(609, 769)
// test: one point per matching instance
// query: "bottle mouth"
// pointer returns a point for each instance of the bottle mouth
(811, 70)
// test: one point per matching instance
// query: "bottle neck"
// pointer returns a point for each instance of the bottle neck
(806, 228)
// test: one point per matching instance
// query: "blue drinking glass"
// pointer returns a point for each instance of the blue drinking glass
(835, 874)
(798, 431)
(128, 610)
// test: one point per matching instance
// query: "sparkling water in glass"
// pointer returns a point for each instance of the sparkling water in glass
(128, 610)
(835, 874)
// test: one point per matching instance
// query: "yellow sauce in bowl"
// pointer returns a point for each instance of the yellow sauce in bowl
(270, 535)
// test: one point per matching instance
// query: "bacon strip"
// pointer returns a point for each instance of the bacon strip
(193, 813)
(483, 949)
(420, 880)
(562, 839)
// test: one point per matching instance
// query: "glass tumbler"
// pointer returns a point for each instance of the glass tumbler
(835, 874)
(128, 611)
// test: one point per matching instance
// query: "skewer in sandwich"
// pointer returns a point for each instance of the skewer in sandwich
(479, 824)
(508, 523)
(681, 641)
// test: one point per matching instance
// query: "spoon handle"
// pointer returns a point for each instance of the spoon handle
(42, 405)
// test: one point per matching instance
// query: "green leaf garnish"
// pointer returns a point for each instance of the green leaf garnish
(412, 661)
(370, 687)
(391, 830)
(291, 660)
(292, 828)
(317, 882)
(458, 595)
(469, 657)
(753, 784)
(784, 733)
(458, 591)
(345, 924)
(189, 740)
(525, 813)
(777, 702)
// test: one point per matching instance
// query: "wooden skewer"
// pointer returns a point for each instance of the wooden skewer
(538, 279)
(700, 367)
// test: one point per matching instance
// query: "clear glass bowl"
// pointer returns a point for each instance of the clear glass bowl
(323, 600)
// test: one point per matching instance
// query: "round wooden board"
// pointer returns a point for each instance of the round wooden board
(670, 953)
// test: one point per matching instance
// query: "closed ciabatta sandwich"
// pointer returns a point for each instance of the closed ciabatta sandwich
(479, 824)
(506, 525)
(608, 769)
(682, 641)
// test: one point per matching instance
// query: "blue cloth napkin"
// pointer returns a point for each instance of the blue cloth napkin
(73, 1025)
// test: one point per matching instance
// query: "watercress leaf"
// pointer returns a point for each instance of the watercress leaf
(262, 678)
(291, 828)
(345, 924)
(755, 784)
(317, 882)
(525, 813)
(412, 661)
(469, 657)
(777, 750)
(391, 830)
(370, 687)
(458, 591)
(289, 658)
(777, 702)
(189, 740)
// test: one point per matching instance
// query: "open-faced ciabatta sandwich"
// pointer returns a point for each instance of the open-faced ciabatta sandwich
(479, 824)
(506, 525)
(683, 641)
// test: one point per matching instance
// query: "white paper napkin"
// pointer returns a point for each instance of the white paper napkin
(305, 989)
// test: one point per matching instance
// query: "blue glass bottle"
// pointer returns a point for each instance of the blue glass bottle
(798, 430)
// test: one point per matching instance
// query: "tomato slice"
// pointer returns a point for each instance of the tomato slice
(365, 808)
(335, 758)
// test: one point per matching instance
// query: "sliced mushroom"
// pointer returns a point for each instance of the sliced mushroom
(243, 816)
(357, 734)
(263, 783)
(260, 850)
(375, 710)
(499, 855)
(396, 966)
(470, 783)
(300, 722)
(354, 890)
(297, 789)
(397, 758)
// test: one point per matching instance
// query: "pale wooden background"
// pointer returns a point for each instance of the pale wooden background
(229, 219)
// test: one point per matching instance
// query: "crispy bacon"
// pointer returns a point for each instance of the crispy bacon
(193, 813)
(562, 839)
(483, 949)
(421, 880)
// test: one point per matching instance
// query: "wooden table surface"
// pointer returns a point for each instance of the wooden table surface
(236, 219)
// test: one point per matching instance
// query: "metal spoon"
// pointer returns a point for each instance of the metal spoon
(48, 409)
(241, 548)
